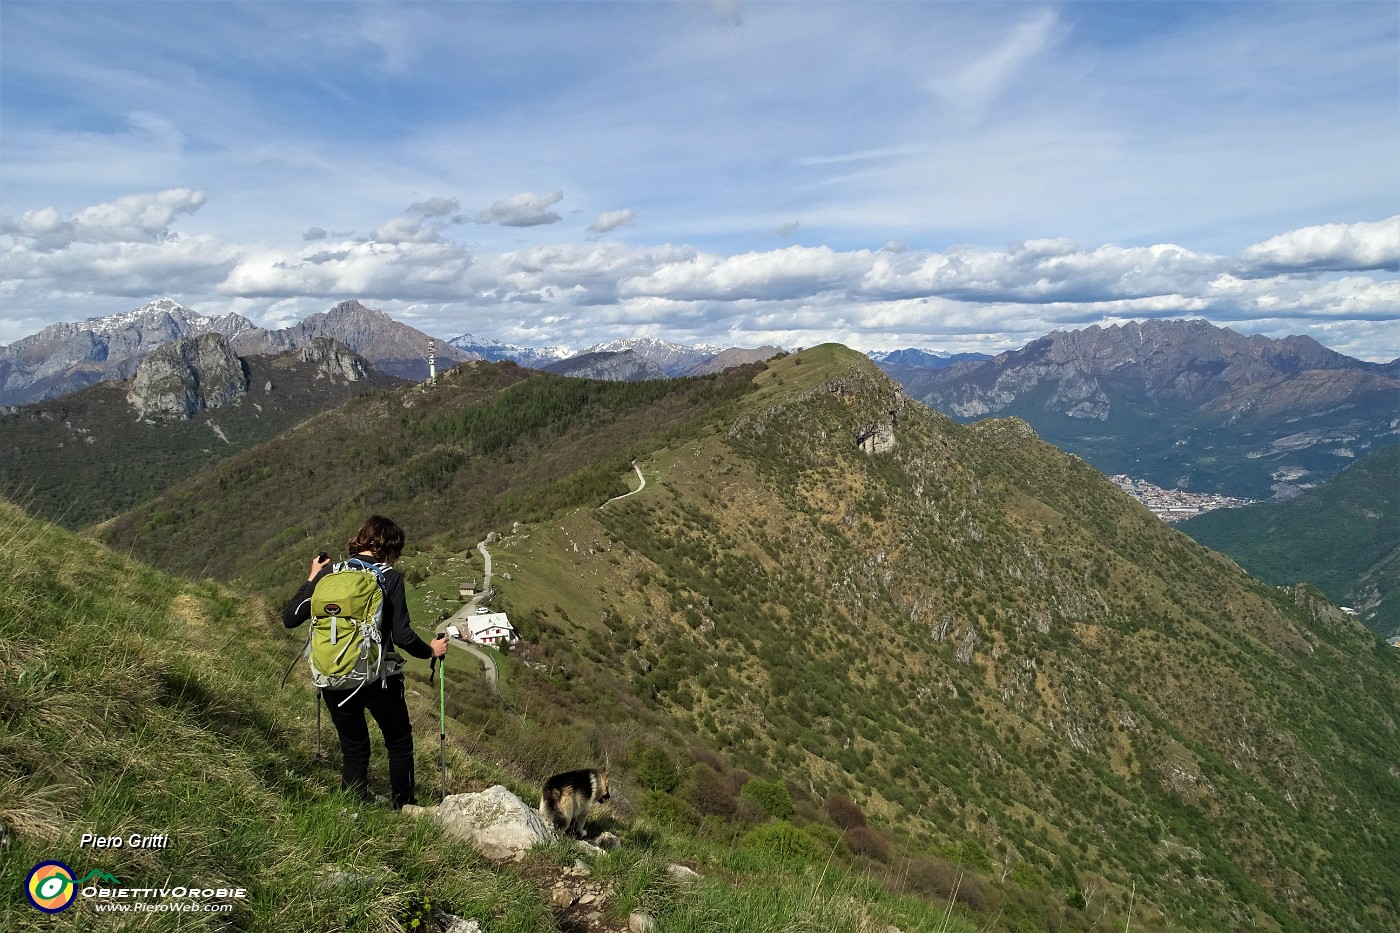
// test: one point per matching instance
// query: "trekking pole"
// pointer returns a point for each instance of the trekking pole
(442, 717)
(318, 726)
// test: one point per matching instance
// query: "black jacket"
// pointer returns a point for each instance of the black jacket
(395, 625)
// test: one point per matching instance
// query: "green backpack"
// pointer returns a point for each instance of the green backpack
(346, 645)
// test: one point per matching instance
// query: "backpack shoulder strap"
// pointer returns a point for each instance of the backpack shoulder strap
(358, 563)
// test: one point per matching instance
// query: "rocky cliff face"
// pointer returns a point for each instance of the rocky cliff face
(335, 361)
(187, 376)
(627, 366)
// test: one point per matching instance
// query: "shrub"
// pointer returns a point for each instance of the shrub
(772, 796)
(656, 771)
(665, 810)
(868, 842)
(843, 812)
(710, 792)
(783, 842)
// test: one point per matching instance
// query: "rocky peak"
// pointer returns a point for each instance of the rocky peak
(335, 361)
(190, 375)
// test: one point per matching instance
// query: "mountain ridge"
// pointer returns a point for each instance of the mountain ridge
(64, 357)
(1185, 403)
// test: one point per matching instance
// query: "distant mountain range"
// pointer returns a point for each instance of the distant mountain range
(64, 358)
(614, 366)
(1184, 404)
(1181, 404)
(646, 357)
(493, 350)
(913, 368)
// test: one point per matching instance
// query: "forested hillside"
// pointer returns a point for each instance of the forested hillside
(1343, 537)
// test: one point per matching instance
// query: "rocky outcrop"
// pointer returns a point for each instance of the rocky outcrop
(335, 361)
(880, 402)
(626, 366)
(187, 376)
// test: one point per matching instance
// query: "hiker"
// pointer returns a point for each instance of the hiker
(374, 549)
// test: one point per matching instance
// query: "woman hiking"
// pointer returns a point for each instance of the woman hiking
(375, 548)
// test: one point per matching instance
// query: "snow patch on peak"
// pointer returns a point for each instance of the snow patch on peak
(161, 307)
(647, 346)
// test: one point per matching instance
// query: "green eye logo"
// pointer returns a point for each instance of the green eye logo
(50, 887)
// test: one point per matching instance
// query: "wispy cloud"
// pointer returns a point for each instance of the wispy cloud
(611, 220)
(976, 84)
(527, 209)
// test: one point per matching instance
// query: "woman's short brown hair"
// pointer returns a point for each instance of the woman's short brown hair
(381, 537)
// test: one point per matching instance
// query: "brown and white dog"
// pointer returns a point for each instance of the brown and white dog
(565, 798)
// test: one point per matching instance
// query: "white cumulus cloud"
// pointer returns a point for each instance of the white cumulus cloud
(133, 218)
(1328, 247)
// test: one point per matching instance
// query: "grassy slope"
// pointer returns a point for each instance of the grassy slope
(133, 702)
(1001, 659)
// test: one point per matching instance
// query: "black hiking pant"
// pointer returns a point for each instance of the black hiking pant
(385, 702)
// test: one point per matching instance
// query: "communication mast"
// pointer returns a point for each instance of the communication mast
(432, 361)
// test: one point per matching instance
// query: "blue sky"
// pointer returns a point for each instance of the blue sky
(955, 176)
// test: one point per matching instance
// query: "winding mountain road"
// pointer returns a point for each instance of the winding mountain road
(462, 616)
(642, 479)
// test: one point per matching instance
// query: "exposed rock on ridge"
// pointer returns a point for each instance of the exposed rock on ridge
(189, 375)
(336, 361)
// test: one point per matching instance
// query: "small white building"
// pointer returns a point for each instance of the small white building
(493, 628)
